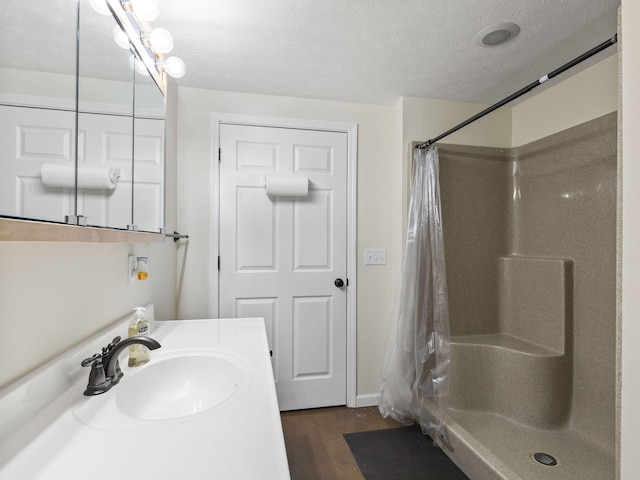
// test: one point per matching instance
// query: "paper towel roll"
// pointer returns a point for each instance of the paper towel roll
(287, 186)
(58, 175)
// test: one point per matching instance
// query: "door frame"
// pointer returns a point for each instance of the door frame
(351, 129)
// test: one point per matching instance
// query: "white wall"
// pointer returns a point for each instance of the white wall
(196, 284)
(630, 375)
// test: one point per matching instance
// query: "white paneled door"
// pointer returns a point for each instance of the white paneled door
(284, 258)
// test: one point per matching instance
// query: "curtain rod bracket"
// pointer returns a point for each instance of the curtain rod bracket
(176, 236)
(424, 145)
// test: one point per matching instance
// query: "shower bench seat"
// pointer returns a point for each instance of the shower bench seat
(511, 377)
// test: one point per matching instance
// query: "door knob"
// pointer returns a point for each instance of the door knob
(339, 283)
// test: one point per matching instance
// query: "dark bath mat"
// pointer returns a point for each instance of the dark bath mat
(401, 453)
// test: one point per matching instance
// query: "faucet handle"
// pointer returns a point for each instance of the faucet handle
(106, 350)
(88, 362)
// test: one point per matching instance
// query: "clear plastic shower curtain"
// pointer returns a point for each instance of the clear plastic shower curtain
(414, 386)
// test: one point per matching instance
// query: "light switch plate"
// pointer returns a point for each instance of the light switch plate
(375, 256)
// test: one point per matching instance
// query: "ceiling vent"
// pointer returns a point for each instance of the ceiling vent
(497, 34)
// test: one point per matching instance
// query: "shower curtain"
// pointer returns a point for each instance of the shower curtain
(414, 386)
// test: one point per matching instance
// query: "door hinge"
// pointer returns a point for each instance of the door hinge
(218, 262)
(219, 155)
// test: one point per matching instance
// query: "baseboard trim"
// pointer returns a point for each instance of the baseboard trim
(367, 400)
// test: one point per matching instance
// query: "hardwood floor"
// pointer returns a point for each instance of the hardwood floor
(315, 446)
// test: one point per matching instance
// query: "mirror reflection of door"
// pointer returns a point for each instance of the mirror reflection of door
(148, 156)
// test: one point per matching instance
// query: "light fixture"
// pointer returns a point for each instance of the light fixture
(150, 44)
(161, 40)
(138, 65)
(497, 34)
(120, 37)
(173, 66)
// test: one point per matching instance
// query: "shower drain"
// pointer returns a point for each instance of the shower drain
(545, 459)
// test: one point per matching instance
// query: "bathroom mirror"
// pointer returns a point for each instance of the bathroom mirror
(105, 123)
(42, 89)
(148, 167)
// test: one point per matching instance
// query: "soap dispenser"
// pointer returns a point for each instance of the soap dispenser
(138, 326)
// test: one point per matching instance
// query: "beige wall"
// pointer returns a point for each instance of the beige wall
(563, 105)
(426, 118)
(630, 412)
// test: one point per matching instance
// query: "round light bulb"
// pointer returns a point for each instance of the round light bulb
(161, 40)
(174, 67)
(139, 66)
(100, 6)
(146, 9)
(120, 37)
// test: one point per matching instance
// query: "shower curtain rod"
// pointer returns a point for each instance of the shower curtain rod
(612, 41)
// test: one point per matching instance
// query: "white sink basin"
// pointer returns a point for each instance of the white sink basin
(180, 386)
(174, 386)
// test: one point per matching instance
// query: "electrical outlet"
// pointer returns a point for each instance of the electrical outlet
(375, 256)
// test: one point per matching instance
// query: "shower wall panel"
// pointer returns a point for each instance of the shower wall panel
(552, 199)
(475, 185)
(565, 190)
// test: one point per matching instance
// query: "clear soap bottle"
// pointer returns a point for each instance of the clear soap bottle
(138, 326)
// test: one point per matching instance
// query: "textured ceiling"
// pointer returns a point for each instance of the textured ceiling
(371, 51)
(377, 50)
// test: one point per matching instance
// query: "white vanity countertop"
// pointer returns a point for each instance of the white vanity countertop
(42, 436)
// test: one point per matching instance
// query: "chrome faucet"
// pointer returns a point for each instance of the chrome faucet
(105, 369)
